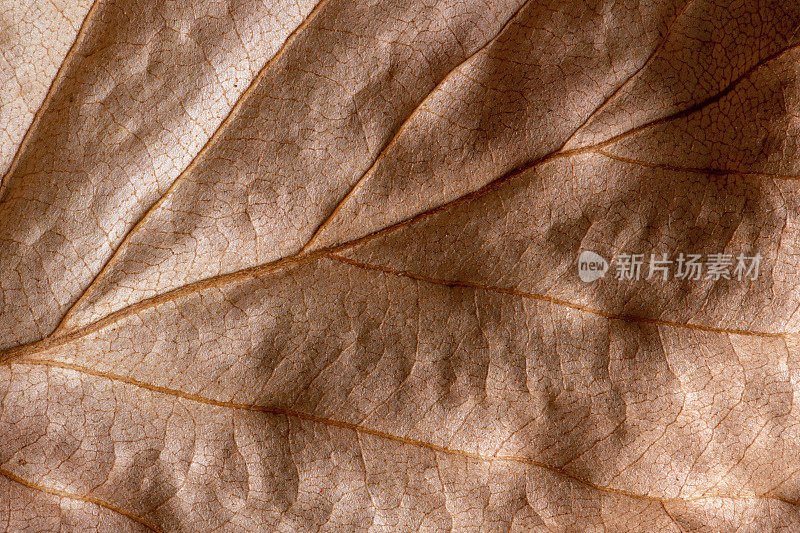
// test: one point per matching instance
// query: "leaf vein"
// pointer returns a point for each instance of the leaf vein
(210, 143)
(416, 443)
(625, 83)
(556, 301)
(60, 337)
(80, 497)
(695, 170)
(48, 97)
(403, 126)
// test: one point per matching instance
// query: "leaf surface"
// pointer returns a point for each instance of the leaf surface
(289, 266)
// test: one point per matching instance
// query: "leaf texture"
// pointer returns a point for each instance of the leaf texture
(297, 266)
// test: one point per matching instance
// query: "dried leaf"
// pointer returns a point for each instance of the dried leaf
(286, 266)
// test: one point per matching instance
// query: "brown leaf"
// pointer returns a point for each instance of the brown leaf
(285, 266)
